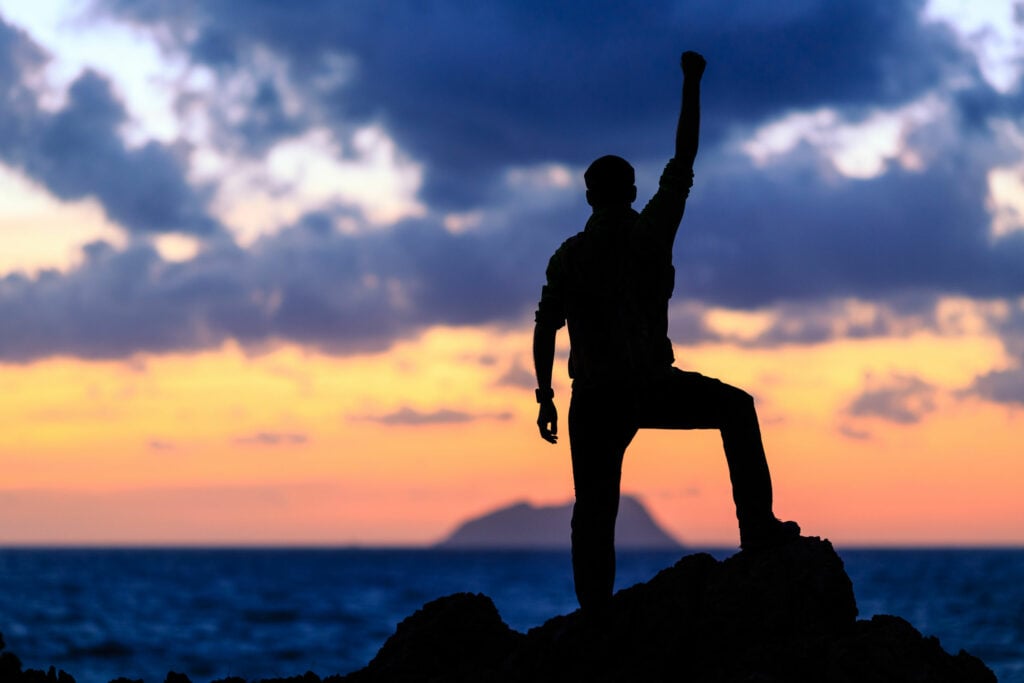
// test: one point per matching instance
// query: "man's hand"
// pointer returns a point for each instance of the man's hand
(547, 421)
(693, 64)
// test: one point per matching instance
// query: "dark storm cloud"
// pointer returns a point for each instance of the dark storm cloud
(471, 88)
(19, 56)
(758, 237)
(252, 128)
(77, 151)
(307, 284)
(902, 399)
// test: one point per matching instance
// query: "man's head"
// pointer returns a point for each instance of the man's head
(610, 182)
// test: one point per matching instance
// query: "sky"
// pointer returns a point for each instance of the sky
(268, 271)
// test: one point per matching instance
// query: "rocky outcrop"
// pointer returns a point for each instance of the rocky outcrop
(786, 614)
(11, 671)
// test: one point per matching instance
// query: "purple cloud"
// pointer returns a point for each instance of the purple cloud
(410, 417)
(902, 398)
(272, 439)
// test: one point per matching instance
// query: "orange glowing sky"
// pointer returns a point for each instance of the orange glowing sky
(286, 446)
(882, 437)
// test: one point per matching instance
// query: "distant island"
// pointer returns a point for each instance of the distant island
(522, 525)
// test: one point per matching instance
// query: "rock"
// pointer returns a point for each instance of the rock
(11, 671)
(457, 638)
(787, 615)
(308, 677)
(784, 615)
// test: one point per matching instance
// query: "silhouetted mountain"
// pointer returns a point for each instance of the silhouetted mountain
(785, 615)
(523, 525)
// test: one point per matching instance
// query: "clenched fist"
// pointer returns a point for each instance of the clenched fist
(693, 64)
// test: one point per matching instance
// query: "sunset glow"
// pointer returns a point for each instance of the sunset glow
(285, 295)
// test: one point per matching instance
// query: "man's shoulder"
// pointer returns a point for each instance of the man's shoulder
(569, 245)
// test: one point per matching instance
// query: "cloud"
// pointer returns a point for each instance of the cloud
(410, 417)
(272, 439)
(309, 284)
(902, 399)
(874, 269)
(470, 90)
(483, 96)
(815, 322)
(77, 151)
(851, 432)
(518, 376)
(759, 237)
(1004, 386)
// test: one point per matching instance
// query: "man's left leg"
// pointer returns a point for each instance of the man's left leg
(599, 433)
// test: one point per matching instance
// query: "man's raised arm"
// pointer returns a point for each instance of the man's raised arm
(688, 128)
(667, 206)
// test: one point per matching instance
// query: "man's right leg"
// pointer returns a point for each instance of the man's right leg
(599, 432)
(689, 400)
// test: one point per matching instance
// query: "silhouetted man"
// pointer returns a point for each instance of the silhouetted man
(611, 283)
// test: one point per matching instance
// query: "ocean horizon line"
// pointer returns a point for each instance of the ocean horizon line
(436, 547)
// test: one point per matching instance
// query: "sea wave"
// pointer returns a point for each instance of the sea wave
(211, 613)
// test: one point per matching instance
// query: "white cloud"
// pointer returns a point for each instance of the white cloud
(862, 149)
(541, 177)
(176, 247)
(989, 29)
(311, 172)
(1006, 199)
(457, 223)
(39, 231)
(254, 196)
(142, 74)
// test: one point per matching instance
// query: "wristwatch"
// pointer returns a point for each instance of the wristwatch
(544, 394)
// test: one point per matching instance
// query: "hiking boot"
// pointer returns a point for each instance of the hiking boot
(768, 535)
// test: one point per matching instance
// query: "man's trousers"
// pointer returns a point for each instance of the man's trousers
(603, 422)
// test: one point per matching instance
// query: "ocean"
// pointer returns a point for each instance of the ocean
(211, 613)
